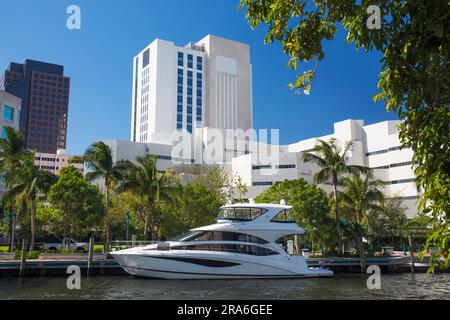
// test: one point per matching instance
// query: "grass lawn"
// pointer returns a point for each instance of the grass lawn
(98, 248)
(4, 248)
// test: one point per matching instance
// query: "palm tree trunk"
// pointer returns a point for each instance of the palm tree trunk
(33, 224)
(338, 220)
(106, 220)
(361, 244)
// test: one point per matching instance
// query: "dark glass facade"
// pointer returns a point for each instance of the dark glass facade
(44, 91)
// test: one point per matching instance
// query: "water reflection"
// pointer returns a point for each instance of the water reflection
(393, 286)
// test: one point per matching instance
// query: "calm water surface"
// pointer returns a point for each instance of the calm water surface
(353, 286)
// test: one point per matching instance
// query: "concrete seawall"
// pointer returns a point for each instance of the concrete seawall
(57, 265)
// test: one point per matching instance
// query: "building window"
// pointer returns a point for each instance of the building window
(179, 117)
(179, 108)
(189, 128)
(4, 135)
(190, 63)
(8, 113)
(146, 58)
(179, 126)
(189, 110)
(180, 89)
(199, 63)
(180, 59)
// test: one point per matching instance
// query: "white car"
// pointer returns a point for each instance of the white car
(65, 244)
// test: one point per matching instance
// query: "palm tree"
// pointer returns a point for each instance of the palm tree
(25, 184)
(362, 194)
(332, 161)
(144, 180)
(12, 148)
(12, 151)
(99, 161)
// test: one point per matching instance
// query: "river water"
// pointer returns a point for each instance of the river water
(342, 286)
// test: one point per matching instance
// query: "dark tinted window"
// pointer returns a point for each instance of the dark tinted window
(226, 236)
(242, 249)
(240, 214)
(146, 58)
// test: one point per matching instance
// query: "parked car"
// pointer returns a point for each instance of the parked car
(66, 243)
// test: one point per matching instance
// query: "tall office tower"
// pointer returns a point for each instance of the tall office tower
(44, 91)
(207, 84)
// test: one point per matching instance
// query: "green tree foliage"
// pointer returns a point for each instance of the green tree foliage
(240, 187)
(121, 203)
(414, 81)
(79, 203)
(332, 162)
(99, 160)
(24, 186)
(310, 207)
(389, 220)
(145, 181)
(361, 194)
(194, 206)
(12, 149)
(215, 179)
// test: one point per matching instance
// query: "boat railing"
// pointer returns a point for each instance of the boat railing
(125, 244)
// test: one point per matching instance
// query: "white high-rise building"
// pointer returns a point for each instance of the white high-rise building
(207, 84)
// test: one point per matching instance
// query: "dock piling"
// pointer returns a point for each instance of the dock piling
(23, 258)
(411, 245)
(90, 255)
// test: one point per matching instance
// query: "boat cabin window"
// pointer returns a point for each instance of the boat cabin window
(226, 236)
(233, 248)
(240, 214)
(285, 216)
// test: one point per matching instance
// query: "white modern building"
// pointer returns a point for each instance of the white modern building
(375, 146)
(206, 84)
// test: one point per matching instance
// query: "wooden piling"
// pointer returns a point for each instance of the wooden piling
(23, 258)
(90, 255)
(411, 246)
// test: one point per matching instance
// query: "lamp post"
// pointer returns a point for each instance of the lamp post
(127, 223)
(11, 218)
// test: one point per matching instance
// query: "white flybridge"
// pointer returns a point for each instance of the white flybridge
(244, 243)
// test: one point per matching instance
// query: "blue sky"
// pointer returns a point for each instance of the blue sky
(98, 58)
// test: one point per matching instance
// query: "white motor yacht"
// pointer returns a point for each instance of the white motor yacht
(244, 243)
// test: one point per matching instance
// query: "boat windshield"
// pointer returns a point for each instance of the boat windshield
(240, 213)
(285, 216)
(186, 236)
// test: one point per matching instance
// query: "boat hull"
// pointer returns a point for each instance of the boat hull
(214, 267)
